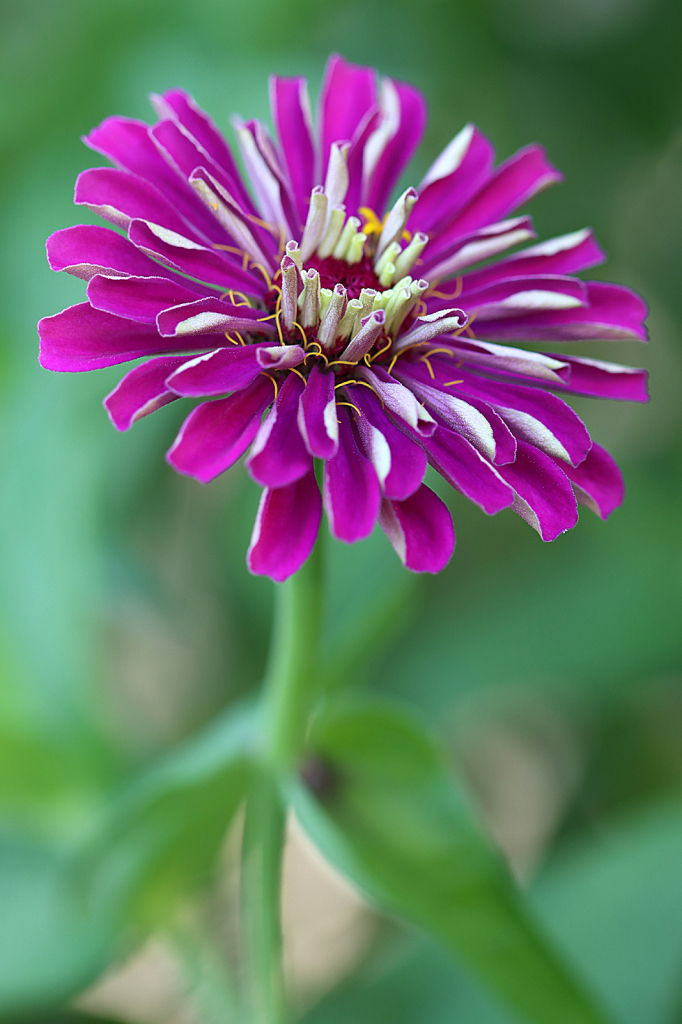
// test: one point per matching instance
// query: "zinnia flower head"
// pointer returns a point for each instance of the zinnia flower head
(378, 335)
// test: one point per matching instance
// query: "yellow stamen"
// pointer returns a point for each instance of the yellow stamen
(443, 295)
(273, 381)
(448, 383)
(266, 276)
(373, 225)
(303, 334)
(382, 350)
(425, 359)
(365, 384)
(350, 406)
(298, 374)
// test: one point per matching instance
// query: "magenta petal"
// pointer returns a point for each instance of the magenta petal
(231, 369)
(192, 259)
(465, 468)
(291, 115)
(211, 315)
(606, 380)
(533, 415)
(87, 249)
(317, 414)
(503, 440)
(597, 482)
(128, 143)
(514, 182)
(216, 434)
(453, 179)
(613, 313)
(518, 296)
(137, 298)
(204, 130)
(141, 391)
(351, 489)
(286, 528)
(403, 471)
(397, 151)
(279, 455)
(118, 196)
(82, 338)
(568, 254)
(420, 530)
(178, 147)
(348, 96)
(544, 497)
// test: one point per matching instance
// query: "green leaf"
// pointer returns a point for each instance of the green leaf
(52, 943)
(401, 828)
(160, 839)
(614, 902)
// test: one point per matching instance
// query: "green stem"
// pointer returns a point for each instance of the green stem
(291, 686)
(260, 894)
(293, 675)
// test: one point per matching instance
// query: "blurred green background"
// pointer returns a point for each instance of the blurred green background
(127, 617)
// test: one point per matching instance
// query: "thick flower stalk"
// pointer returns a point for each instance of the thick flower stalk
(313, 319)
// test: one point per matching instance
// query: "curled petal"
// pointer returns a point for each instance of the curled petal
(208, 316)
(420, 530)
(606, 380)
(86, 250)
(533, 415)
(181, 254)
(348, 96)
(399, 462)
(137, 298)
(390, 148)
(544, 497)
(230, 369)
(597, 482)
(399, 400)
(317, 420)
(613, 313)
(291, 115)
(465, 469)
(118, 196)
(279, 455)
(207, 135)
(567, 254)
(514, 182)
(351, 488)
(455, 176)
(286, 528)
(82, 338)
(216, 434)
(129, 143)
(142, 391)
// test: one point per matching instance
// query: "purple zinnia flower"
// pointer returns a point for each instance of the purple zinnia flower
(367, 335)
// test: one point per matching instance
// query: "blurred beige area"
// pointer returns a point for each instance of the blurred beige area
(327, 930)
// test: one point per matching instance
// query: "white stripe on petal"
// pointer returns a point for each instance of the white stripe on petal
(451, 157)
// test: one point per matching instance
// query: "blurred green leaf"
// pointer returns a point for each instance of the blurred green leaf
(614, 903)
(159, 840)
(52, 942)
(399, 816)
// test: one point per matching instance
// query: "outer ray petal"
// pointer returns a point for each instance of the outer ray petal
(286, 528)
(216, 434)
(420, 530)
(351, 489)
(544, 497)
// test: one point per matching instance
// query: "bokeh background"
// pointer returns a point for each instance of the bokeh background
(127, 617)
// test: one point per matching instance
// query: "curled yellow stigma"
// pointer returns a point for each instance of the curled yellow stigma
(373, 225)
